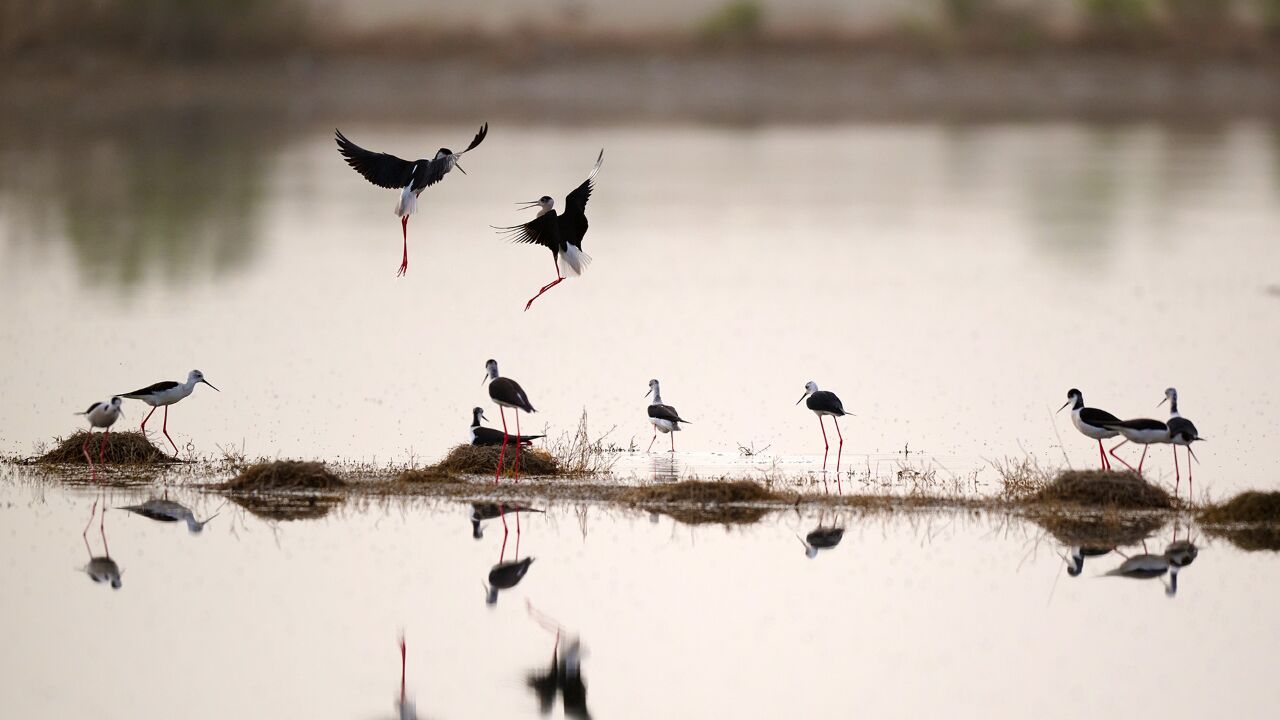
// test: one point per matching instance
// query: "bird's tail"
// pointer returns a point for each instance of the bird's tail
(575, 260)
(408, 202)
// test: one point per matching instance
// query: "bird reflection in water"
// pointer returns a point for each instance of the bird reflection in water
(507, 573)
(101, 569)
(1075, 562)
(1177, 554)
(405, 708)
(166, 510)
(563, 675)
(823, 537)
(489, 511)
(664, 468)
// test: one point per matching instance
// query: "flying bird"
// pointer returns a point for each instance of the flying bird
(561, 233)
(409, 177)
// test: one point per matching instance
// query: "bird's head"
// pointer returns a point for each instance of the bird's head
(490, 370)
(443, 153)
(477, 413)
(544, 204)
(195, 376)
(810, 388)
(1073, 396)
(1170, 395)
(116, 401)
(653, 387)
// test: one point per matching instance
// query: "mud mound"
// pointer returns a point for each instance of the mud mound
(123, 448)
(284, 475)
(483, 459)
(1099, 488)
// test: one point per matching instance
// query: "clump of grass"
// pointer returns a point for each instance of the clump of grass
(125, 448)
(1247, 507)
(483, 459)
(1021, 478)
(1101, 489)
(283, 475)
(429, 474)
(579, 455)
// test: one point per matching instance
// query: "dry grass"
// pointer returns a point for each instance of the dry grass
(581, 456)
(695, 502)
(1247, 507)
(123, 448)
(483, 460)
(283, 475)
(1095, 489)
(429, 474)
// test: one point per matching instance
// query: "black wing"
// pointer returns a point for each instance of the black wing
(434, 170)
(574, 220)
(381, 169)
(91, 408)
(1183, 426)
(1096, 417)
(1138, 424)
(152, 389)
(665, 412)
(479, 138)
(826, 401)
(542, 230)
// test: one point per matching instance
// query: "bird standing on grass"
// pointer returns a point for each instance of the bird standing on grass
(100, 415)
(560, 233)
(164, 394)
(1091, 422)
(507, 393)
(664, 417)
(410, 178)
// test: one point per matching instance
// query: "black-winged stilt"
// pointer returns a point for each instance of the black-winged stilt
(664, 417)
(162, 510)
(410, 178)
(1142, 431)
(504, 576)
(822, 403)
(164, 394)
(560, 233)
(1149, 565)
(1091, 422)
(1181, 432)
(405, 708)
(100, 415)
(1075, 565)
(488, 511)
(821, 538)
(507, 393)
(481, 435)
(101, 568)
(564, 676)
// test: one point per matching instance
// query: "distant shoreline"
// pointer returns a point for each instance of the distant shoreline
(730, 86)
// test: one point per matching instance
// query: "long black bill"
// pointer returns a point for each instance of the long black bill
(1068, 402)
(206, 382)
(802, 397)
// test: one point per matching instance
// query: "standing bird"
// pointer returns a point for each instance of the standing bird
(663, 417)
(825, 402)
(410, 178)
(1091, 422)
(164, 394)
(481, 435)
(560, 233)
(1181, 432)
(101, 415)
(1143, 431)
(507, 393)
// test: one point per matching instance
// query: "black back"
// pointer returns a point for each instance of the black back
(825, 537)
(153, 389)
(93, 407)
(665, 412)
(489, 436)
(510, 392)
(1097, 418)
(1138, 424)
(825, 401)
(506, 574)
(1180, 426)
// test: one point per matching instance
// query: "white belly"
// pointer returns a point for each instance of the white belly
(1090, 431)
(168, 397)
(665, 426)
(1145, 437)
(103, 417)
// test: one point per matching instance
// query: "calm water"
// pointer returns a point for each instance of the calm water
(949, 282)
(909, 615)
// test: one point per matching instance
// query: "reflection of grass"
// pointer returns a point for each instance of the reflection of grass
(736, 19)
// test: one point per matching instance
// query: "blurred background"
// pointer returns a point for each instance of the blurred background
(948, 211)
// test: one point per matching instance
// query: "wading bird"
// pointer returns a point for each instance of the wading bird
(481, 435)
(825, 402)
(101, 568)
(664, 417)
(507, 393)
(488, 511)
(560, 233)
(162, 510)
(1091, 422)
(164, 394)
(823, 537)
(1142, 431)
(1181, 432)
(100, 415)
(410, 178)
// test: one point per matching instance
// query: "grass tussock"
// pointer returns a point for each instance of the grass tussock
(123, 448)
(1248, 507)
(284, 475)
(1099, 489)
(579, 455)
(483, 459)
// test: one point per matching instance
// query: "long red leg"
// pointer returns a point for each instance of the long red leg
(673, 441)
(655, 437)
(502, 456)
(93, 471)
(557, 281)
(1114, 455)
(401, 671)
(148, 417)
(517, 444)
(1143, 458)
(1189, 491)
(1177, 473)
(825, 445)
(1102, 454)
(102, 448)
(839, 452)
(165, 429)
(502, 554)
(404, 263)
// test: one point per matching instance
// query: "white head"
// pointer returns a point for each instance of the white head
(490, 370)
(1075, 398)
(544, 204)
(195, 376)
(115, 403)
(654, 390)
(477, 414)
(810, 388)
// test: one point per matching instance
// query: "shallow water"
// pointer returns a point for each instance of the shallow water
(950, 282)
(911, 614)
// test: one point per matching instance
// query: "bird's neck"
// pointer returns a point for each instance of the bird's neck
(1079, 405)
(657, 396)
(544, 211)
(1173, 407)
(475, 420)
